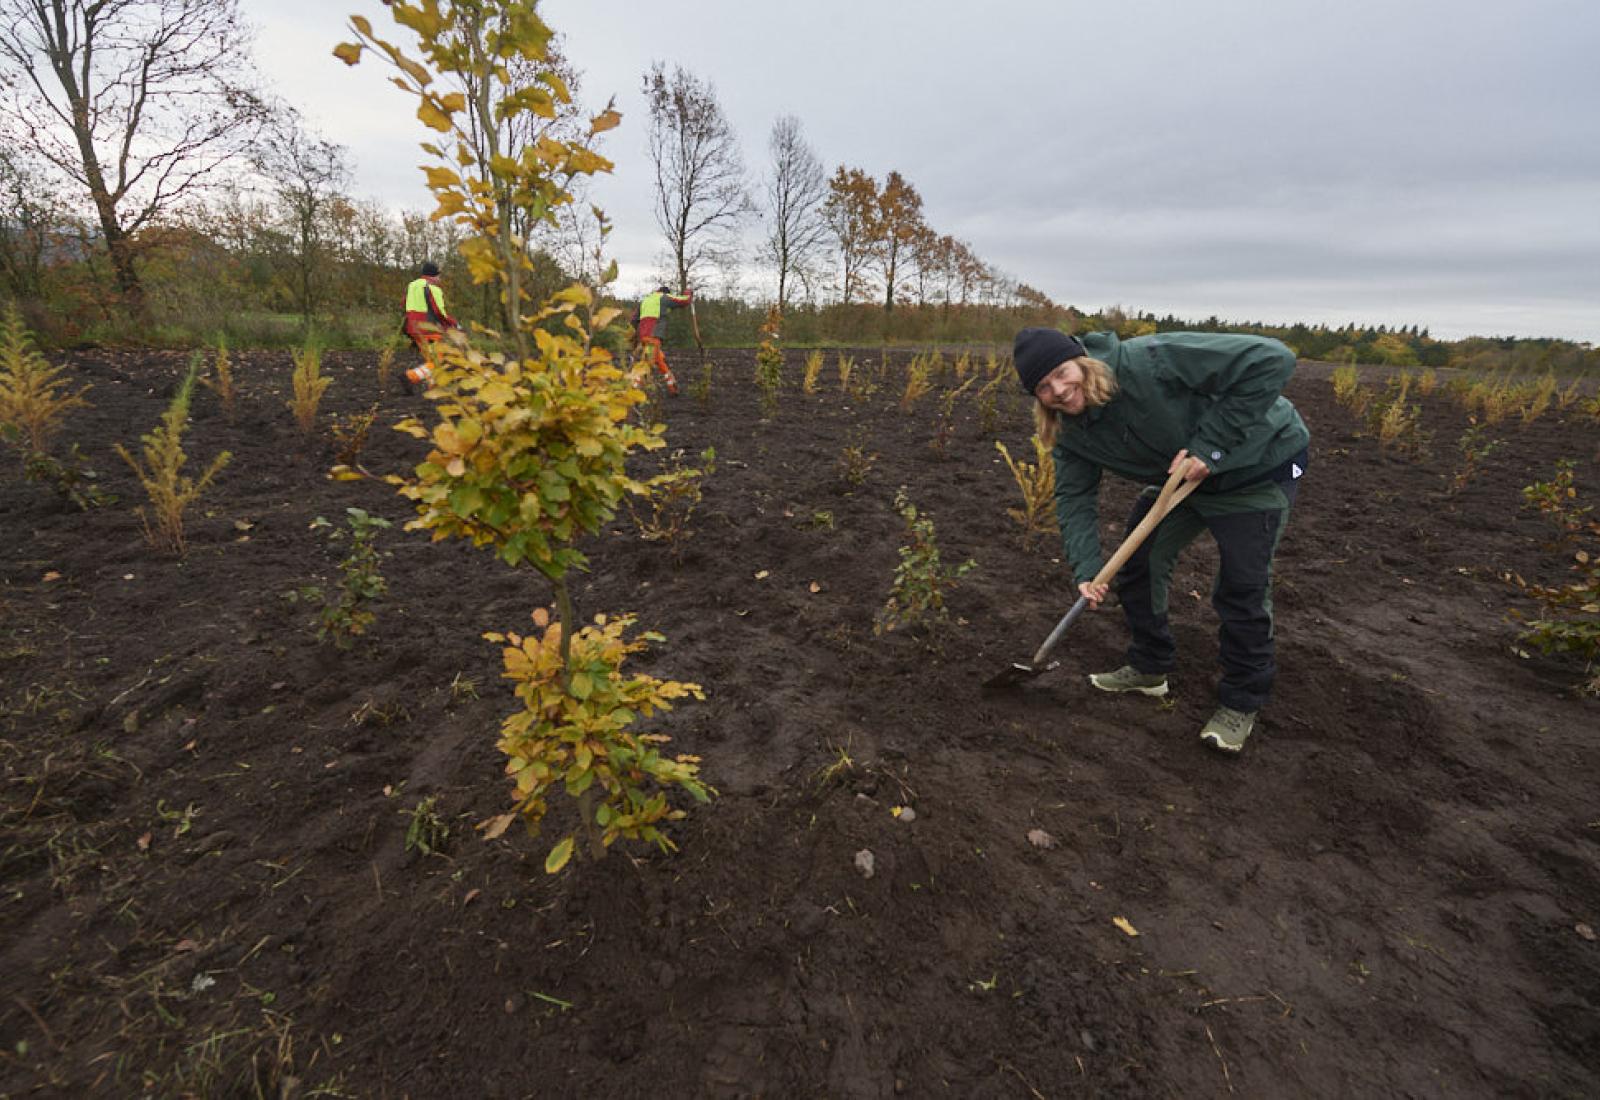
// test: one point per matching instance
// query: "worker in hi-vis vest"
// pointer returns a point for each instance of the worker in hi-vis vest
(652, 327)
(426, 320)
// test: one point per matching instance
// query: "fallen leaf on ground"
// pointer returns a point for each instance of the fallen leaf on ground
(815, 587)
(496, 825)
(1041, 839)
(761, 576)
(51, 576)
(474, 892)
(144, 842)
(1122, 923)
(1585, 931)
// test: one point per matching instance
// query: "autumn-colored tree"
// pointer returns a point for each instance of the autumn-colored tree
(570, 235)
(851, 213)
(530, 448)
(930, 259)
(1037, 299)
(897, 226)
(971, 273)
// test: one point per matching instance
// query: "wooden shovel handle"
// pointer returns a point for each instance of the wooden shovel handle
(1172, 494)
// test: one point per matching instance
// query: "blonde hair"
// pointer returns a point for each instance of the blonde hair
(1099, 387)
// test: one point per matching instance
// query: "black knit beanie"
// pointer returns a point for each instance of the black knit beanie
(1038, 351)
(430, 270)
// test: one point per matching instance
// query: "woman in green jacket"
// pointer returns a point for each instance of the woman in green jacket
(1140, 409)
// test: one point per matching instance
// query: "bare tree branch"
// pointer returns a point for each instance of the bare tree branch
(701, 200)
(136, 101)
(795, 194)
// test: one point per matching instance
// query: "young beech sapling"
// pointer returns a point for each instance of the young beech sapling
(346, 613)
(769, 363)
(528, 450)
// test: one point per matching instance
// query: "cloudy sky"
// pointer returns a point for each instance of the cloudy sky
(1432, 162)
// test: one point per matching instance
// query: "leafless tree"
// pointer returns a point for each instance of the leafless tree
(137, 101)
(701, 200)
(307, 174)
(795, 194)
(576, 241)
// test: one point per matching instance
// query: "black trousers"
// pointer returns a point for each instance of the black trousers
(1246, 524)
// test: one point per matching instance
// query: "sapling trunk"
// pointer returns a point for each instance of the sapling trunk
(564, 613)
(591, 832)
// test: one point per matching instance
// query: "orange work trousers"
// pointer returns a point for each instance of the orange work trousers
(658, 358)
(422, 372)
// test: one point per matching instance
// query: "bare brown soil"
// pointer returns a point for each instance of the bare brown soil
(207, 891)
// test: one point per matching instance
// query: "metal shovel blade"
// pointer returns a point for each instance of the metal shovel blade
(1019, 672)
(1172, 493)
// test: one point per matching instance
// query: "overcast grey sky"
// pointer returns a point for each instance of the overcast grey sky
(1432, 162)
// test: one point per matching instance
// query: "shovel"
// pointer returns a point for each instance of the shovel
(1172, 494)
(694, 322)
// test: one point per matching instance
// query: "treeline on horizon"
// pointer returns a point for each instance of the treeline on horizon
(238, 276)
(233, 220)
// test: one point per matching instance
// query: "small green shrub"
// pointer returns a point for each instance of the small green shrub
(673, 495)
(921, 580)
(855, 462)
(1474, 448)
(71, 478)
(346, 612)
(1568, 620)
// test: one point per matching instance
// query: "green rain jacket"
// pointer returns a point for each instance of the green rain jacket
(1219, 396)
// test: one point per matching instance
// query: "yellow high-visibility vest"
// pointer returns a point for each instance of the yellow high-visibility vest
(650, 305)
(417, 297)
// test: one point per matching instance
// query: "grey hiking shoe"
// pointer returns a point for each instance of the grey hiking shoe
(1128, 678)
(1228, 730)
